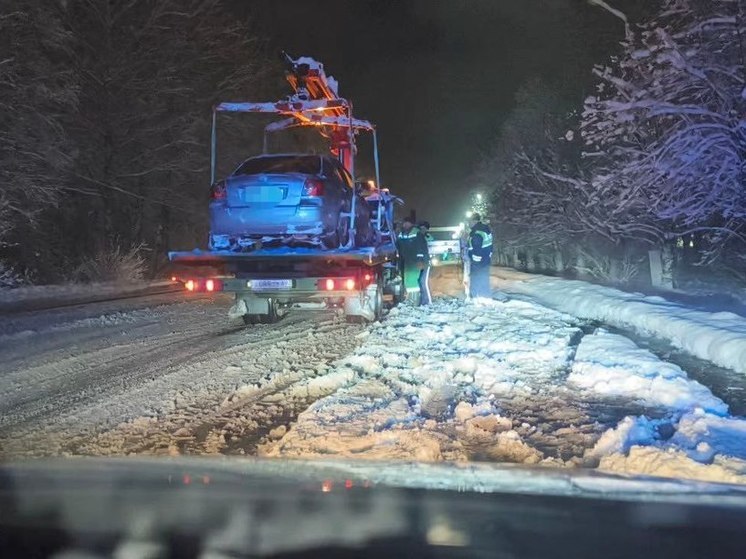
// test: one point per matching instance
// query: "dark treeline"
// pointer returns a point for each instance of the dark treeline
(104, 129)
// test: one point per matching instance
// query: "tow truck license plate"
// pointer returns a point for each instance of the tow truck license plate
(269, 284)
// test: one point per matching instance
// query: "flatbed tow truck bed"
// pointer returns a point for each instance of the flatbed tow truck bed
(269, 282)
(366, 255)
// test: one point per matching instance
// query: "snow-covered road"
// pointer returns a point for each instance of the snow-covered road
(67, 375)
(500, 380)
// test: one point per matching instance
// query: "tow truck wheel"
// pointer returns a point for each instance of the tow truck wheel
(378, 301)
(270, 318)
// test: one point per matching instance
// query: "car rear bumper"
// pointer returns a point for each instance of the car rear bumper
(240, 222)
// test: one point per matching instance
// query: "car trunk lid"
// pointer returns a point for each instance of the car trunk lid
(265, 190)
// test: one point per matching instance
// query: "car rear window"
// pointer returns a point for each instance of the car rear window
(306, 164)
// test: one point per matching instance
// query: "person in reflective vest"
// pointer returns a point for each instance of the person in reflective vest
(480, 257)
(414, 260)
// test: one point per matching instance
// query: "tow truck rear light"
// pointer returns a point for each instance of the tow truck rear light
(337, 284)
(313, 187)
(209, 285)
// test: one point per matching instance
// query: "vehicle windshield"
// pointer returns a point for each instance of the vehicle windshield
(440, 235)
(304, 164)
(210, 240)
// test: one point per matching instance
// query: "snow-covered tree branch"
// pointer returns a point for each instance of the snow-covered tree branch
(669, 118)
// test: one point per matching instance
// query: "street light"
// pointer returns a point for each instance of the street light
(479, 196)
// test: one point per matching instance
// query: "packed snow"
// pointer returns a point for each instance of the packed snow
(461, 381)
(505, 380)
(121, 383)
(426, 385)
(718, 337)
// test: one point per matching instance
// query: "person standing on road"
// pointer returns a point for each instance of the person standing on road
(424, 228)
(480, 257)
(424, 279)
(414, 260)
(465, 262)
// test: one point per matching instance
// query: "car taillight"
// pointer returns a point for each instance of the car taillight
(329, 284)
(313, 187)
(189, 285)
(218, 191)
(350, 284)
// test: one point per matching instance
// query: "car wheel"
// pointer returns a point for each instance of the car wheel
(343, 232)
(330, 241)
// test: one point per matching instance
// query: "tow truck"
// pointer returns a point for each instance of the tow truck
(270, 282)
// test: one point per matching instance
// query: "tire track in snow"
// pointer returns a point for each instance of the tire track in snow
(44, 340)
(152, 377)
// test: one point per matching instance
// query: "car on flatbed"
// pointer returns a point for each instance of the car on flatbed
(287, 199)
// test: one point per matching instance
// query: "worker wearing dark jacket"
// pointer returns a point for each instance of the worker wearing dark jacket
(480, 258)
(414, 260)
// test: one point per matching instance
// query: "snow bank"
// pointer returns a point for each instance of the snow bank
(698, 446)
(717, 337)
(690, 434)
(612, 365)
(671, 463)
(694, 439)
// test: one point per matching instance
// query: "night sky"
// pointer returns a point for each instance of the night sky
(439, 77)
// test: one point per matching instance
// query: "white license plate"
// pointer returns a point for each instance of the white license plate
(271, 284)
(257, 194)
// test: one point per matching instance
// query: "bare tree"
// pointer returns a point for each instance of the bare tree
(149, 75)
(524, 205)
(36, 93)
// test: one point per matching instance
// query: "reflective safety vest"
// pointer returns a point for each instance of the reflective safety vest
(412, 234)
(412, 247)
(482, 254)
